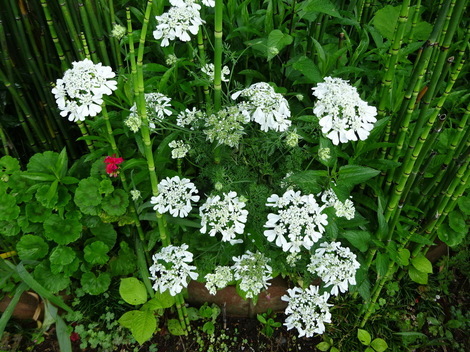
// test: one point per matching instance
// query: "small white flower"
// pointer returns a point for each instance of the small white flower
(298, 223)
(189, 118)
(135, 194)
(118, 31)
(157, 106)
(208, 69)
(253, 271)
(170, 269)
(179, 149)
(343, 209)
(171, 60)
(344, 116)
(175, 196)
(226, 126)
(324, 154)
(221, 277)
(307, 310)
(225, 216)
(335, 265)
(266, 107)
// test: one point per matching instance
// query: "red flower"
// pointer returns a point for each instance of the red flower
(112, 165)
(74, 337)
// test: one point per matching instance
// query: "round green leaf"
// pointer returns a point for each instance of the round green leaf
(379, 345)
(31, 247)
(449, 236)
(52, 282)
(36, 212)
(9, 165)
(133, 291)
(62, 255)
(8, 208)
(95, 253)
(174, 327)
(418, 276)
(62, 231)
(43, 162)
(105, 233)
(9, 228)
(88, 196)
(364, 337)
(116, 203)
(47, 194)
(95, 285)
(106, 186)
(421, 263)
(323, 346)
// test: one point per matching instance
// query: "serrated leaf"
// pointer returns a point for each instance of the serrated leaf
(88, 196)
(61, 256)
(43, 163)
(95, 253)
(62, 231)
(116, 203)
(31, 247)
(47, 195)
(133, 291)
(160, 301)
(141, 323)
(95, 285)
(364, 337)
(52, 282)
(9, 228)
(417, 276)
(379, 345)
(105, 233)
(421, 263)
(106, 187)
(8, 208)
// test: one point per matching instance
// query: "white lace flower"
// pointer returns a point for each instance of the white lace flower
(266, 107)
(179, 149)
(208, 69)
(344, 116)
(156, 105)
(170, 269)
(135, 194)
(307, 310)
(335, 265)
(208, 3)
(221, 277)
(175, 196)
(226, 126)
(225, 216)
(80, 92)
(253, 271)
(178, 22)
(299, 221)
(189, 118)
(343, 209)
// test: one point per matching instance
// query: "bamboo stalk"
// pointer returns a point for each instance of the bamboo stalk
(219, 6)
(88, 33)
(71, 29)
(91, 16)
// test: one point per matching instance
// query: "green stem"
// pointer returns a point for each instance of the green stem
(219, 6)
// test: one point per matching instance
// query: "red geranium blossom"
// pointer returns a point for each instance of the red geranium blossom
(112, 165)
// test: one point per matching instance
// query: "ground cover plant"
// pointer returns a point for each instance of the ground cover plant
(148, 144)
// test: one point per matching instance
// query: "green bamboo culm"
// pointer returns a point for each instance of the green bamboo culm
(64, 64)
(218, 33)
(96, 25)
(88, 33)
(72, 31)
(202, 59)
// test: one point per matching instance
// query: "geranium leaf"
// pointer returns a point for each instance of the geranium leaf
(50, 281)
(116, 203)
(95, 253)
(31, 247)
(95, 285)
(62, 231)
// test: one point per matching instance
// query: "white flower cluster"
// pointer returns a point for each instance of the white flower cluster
(173, 273)
(226, 126)
(298, 222)
(253, 271)
(180, 20)
(208, 69)
(221, 277)
(307, 310)
(345, 209)
(80, 92)
(266, 107)
(189, 117)
(156, 105)
(175, 196)
(335, 265)
(179, 149)
(344, 116)
(226, 216)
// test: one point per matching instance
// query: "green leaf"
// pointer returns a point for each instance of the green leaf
(9, 228)
(61, 164)
(309, 181)
(47, 195)
(417, 276)
(8, 208)
(160, 301)
(351, 175)
(124, 263)
(39, 176)
(404, 257)
(174, 327)
(364, 337)
(62, 231)
(43, 163)
(359, 239)
(421, 263)
(141, 323)
(95, 253)
(276, 42)
(31, 247)
(88, 196)
(457, 222)
(464, 204)
(52, 282)
(308, 68)
(95, 285)
(382, 261)
(106, 186)
(208, 327)
(369, 349)
(449, 236)
(105, 233)
(116, 203)
(60, 257)
(8, 165)
(334, 349)
(133, 291)
(379, 345)
(312, 6)
(323, 346)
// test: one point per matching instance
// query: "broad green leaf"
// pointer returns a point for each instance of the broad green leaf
(464, 204)
(105, 233)
(62, 231)
(8, 208)
(95, 285)
(351, 175)
(9, 228)
(47, 195)
(8, 165)
(359, 239)
(141, 323)
(379, 345)
(334, 349)
(308, 68)
(449, 236)
(309, 181)
(457, 222)
(369, 349)
(276, 42)
(208, 327)
(404, 257)
(61, 164)
(39, 176)
(124, 263)
(88, 195)
(175, 328)
(160, 301)
(116, 203)
(381, 262)
(44, 163)
(421, 263)
(31, 247)
(95, 253)
(106, 186)
(418, 276)
(52, 282)
(364, 337)
(308, 7)
(133, 291)
(323, 346)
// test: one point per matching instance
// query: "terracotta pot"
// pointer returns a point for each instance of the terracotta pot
(234, 304)
(29, 307)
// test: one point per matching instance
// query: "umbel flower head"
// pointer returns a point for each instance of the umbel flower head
(335, 265)
(226, 126)
(221, 277)
(343, 115)
(80, 92)
(170, 269)
(307, 310)
(299, 221)
(112, 165)
(253, 271)
(226, 216)
(343, 209)
(157, 106)
(266, 107)
(175, 196)
(208, 69)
